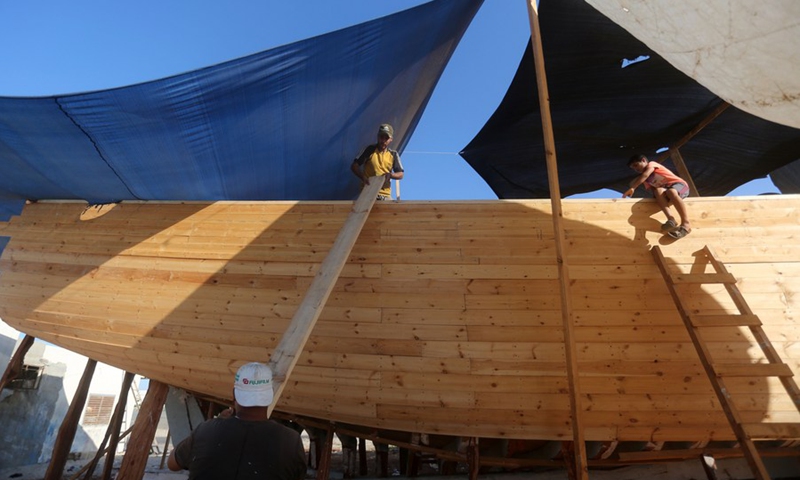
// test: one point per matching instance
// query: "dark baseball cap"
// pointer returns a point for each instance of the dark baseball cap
(387, 129)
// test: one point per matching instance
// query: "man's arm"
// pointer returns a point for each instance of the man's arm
(172, 464)
(396, 173)
(356, 169)
(180, 451)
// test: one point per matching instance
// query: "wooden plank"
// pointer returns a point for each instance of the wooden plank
(724, 320)
(286, 354)
(703, 278)
(753, 370)
(773, 430)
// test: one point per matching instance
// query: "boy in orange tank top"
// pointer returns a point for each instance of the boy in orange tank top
(667, 188)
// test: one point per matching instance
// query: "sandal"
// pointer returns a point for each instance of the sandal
(679, 232)
(669, 225)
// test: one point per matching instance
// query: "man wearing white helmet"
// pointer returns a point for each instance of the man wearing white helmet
(246, 446)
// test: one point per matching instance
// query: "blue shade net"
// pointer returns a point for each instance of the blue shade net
(283, 124)
(603, 113)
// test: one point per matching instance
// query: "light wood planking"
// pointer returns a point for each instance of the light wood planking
(445, 319)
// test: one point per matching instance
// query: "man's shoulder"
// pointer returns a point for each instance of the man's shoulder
(211, 425)
(279, 427)
(367, 151)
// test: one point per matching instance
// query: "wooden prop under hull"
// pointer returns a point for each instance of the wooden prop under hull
(445, 319)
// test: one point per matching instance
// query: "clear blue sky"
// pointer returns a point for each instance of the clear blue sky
(56, 46)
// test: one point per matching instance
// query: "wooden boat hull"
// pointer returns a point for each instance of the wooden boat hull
(446, 318)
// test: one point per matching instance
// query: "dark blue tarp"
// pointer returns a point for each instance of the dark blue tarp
(603, 113)
(283, 124)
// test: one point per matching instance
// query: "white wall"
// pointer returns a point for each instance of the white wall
(8, 341)
(34, 417)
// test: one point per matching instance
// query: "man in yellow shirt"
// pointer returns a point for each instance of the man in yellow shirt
(378, 159)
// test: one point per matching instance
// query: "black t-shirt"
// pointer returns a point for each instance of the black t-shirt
(234, 449)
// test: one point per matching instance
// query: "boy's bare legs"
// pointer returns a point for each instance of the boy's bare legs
(663, 202)
(672, 195)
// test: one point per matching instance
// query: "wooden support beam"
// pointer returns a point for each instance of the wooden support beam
(579, 454)
(117, 425)
(362, 456)
(144, 430)
(324, 463)
(166, 450)
(106, 450)
(285, 355)
(66, 434)
(473, 458)
(17, 360)
(113, 425)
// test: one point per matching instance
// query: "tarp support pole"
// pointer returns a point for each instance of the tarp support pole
(683, 172)
(285, 355)
(677, 158)
(579, 454)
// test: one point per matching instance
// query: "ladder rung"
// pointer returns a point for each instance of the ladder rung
(703, 278)
(767, 431)
(753, 370)
(726, 320)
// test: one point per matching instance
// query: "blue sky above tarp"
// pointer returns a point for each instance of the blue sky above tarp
(277, 125)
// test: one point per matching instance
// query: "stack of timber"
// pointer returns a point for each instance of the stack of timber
(446, 318)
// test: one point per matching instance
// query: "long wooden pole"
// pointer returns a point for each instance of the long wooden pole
(579, 457)
(285, 355)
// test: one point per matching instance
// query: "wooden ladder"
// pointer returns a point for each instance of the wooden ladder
(695, 323)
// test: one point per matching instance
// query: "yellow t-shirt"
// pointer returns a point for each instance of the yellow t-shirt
(380, 163)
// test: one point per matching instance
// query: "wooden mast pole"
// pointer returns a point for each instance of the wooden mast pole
(579, 453)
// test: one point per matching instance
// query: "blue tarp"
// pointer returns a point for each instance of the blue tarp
(283, 124)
